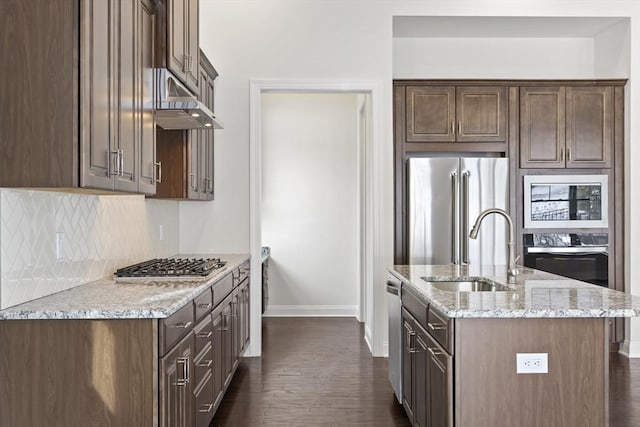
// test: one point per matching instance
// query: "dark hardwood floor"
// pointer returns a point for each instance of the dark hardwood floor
(319, 372)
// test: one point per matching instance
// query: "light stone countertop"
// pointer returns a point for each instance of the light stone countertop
(135, 299)
(536, 294)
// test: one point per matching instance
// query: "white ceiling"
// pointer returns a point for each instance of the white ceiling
(499, 27)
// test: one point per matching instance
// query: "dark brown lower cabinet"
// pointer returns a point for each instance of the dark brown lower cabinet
(176, 385)
(408, 362)
(439, 382)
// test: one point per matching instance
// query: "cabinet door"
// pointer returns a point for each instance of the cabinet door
(192, 48)
(227, 344)
(218, 357)
(481, 113)
(97, 109)
(420, 379)
(542, 127)
(125, 94)
(193, 156)
(145, 97)
(235, 331)
(209, 145)
(439, 374)
(176, 41)
(408, 351)
(203, 143)
(430, 113)
(589, 126)
(176, 392)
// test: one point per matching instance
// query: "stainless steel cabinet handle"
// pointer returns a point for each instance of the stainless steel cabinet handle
(224, 328)
(204, 335)
(392, 290)
(121, 162)
(205, 363)
(205, 306)
(182, 325)
(159, 165)
(185, 63)
(459, 128)
(453, 128)
(561, 155)
(206, 407)
(436, 326)
(181, 382)
(434, 351)
(454, 216)
(117, 163)
(464, 233)
(569, 154)
(192, 176)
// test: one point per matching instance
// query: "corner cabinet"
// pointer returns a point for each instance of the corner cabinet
(566, 127)
(187, 156)
(117, 124)
(77, 110)
(183, 41)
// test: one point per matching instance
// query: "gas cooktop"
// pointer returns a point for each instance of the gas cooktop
(161, 268)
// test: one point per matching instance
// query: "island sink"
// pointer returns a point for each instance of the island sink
(471, 284)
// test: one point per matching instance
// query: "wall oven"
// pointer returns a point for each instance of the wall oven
(580, 256)
(566, 201)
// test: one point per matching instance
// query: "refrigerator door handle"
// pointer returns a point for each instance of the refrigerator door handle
(454, 220)
(464, 232)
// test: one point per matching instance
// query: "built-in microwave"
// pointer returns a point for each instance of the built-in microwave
(566, 201)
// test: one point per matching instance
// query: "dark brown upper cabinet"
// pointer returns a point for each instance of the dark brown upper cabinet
(87, 121)
(456, 113)
(566, 127)
(187, 156)
(116, 95)
(183, 41)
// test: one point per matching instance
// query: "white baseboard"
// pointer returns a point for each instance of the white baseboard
(367, 337)
(630, 349)
(311, 311)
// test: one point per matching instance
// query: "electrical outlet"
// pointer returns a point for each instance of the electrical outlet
(532, 363)
(59, 245)
(161, 232)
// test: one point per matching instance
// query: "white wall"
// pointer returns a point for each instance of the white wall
(349, 39)
(101, 234)
(493, 58)
(310, 202)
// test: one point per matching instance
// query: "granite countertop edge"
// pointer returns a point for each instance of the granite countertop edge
(134, 299)
(517, 302)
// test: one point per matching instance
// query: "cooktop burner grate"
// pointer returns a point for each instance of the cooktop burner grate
(172, 267)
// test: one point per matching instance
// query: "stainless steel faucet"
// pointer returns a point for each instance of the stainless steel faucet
(512, 271)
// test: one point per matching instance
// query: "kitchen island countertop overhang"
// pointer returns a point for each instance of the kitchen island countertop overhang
(536, 294)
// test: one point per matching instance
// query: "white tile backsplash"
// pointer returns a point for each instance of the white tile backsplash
(100, 234)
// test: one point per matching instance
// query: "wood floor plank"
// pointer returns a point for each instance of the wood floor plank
(318, 372)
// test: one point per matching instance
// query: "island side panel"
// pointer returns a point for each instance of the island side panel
(78, 372)
(490, 393)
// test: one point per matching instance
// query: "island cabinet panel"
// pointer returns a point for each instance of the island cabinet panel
(78, 372)
(489, 392)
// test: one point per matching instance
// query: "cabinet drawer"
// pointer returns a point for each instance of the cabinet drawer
(416, 307)
(204, 334)
(222, 288)
(204, 402)
(175, 327)
(440, 327)
(203, 304)
(203, 365)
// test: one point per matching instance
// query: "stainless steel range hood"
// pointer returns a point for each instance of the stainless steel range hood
(178, 108)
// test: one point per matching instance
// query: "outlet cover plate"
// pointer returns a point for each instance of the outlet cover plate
(532, 363)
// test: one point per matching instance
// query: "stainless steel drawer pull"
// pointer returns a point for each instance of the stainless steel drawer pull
(436, 326)
(159, 165)
(205, 335)
(434, 351)
(182, 325)
(205, 363)
(206, 407)
(207, 306)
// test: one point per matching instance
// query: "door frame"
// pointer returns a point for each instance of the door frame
(370, 172)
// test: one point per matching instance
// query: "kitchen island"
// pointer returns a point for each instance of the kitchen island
(137, 352)
(530, 353)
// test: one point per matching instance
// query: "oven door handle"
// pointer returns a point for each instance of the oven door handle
(590, 250)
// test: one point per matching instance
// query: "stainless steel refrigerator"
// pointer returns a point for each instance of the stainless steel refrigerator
(445, 197)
